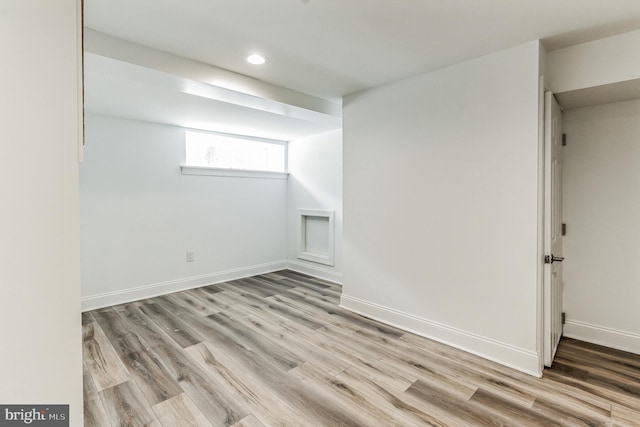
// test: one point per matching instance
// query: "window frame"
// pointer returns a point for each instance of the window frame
(188, 169)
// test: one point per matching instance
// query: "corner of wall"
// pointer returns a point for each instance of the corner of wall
(608, 337)
(315, 270)
(543, 55)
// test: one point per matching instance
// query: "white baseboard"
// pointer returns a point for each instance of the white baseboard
(601, 335)
(315, 271)
(505, 354)
(107, 299)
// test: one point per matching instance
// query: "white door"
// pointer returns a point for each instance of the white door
(552, 228)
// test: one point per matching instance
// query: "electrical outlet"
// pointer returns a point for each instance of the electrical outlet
(190, 256)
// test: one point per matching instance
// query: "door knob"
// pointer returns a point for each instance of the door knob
(550, 259)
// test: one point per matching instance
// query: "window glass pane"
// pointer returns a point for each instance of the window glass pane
(205, 149)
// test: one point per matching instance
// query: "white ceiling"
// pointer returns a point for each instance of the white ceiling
(330, 48)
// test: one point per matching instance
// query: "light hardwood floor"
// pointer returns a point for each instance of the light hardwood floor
(277, 350)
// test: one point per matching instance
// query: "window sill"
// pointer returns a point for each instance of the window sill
(235, 173)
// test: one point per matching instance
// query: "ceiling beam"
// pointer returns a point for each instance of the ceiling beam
(210, 81)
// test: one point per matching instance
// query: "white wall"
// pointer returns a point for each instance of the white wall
(315, 182)
(596, 63)
(602, 212)
(140, 215)
(440, 205)
(41, 353)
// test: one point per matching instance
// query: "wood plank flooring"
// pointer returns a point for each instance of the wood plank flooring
(276, 350)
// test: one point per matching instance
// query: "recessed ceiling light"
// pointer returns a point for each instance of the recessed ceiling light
(256, 59)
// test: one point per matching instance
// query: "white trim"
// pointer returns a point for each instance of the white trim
(614, 338)
(505, 354)
(235, 173)
(153, 290)
(540, 224)
(315, 271)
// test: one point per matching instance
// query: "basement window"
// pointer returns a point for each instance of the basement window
(217, 154)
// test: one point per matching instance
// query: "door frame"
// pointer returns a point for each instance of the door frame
(542, 88)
